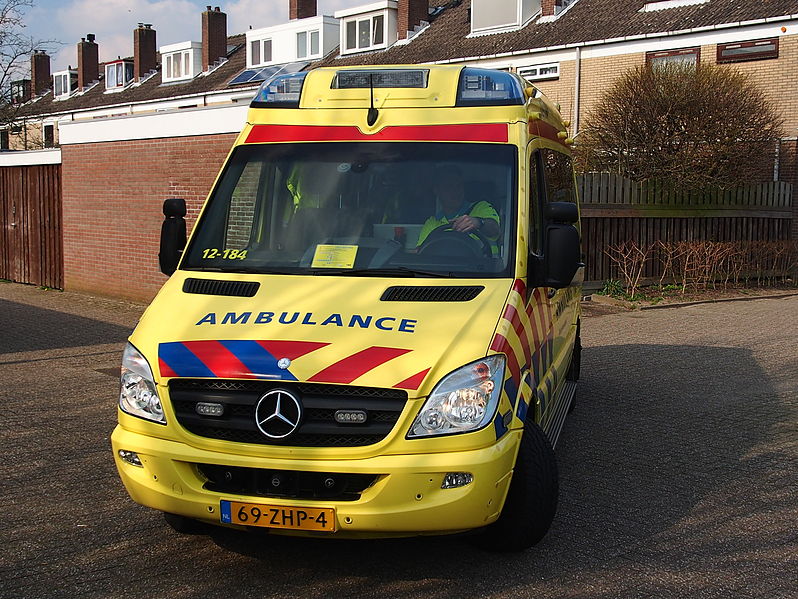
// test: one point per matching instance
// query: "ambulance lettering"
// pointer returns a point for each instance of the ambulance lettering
(355, 321)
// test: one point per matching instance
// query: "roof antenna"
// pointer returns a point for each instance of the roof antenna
(373, 113)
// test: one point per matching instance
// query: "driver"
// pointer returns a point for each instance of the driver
(463, 217)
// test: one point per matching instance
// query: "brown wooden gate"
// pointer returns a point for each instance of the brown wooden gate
(31, 246)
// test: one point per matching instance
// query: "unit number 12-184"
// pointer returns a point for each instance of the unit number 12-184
(212, 253)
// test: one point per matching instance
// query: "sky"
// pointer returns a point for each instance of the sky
(113, 22)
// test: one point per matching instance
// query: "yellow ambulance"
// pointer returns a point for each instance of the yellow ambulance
(373, 329)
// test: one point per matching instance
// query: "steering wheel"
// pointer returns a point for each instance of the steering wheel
(474, 242)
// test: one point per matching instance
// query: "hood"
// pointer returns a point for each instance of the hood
(320, 329)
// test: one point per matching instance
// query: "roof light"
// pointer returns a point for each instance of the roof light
(484, 87)
(365, 79)
(282, 91)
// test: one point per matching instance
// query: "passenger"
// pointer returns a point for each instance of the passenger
(453, 209)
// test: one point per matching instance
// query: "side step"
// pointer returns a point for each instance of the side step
(557, 421)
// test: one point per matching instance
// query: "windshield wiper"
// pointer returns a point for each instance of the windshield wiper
(401, 271)
(244, 270)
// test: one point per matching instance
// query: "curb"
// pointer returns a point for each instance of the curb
(718, 301)
(611, 301)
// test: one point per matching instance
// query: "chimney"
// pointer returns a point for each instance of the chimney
(549, 7)
(40, 72)
(88, 61)
(214, 36)
(143, 50)
(411, 13)
(301, 9)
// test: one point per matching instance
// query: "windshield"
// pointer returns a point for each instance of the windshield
(412, 209)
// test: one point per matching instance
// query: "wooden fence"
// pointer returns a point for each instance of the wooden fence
(31, 247)
(615, 209)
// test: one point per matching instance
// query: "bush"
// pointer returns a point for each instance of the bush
(691, 126)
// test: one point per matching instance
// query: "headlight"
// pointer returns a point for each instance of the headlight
(138, 395)
(463, 401)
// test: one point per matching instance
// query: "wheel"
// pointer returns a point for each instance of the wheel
(532, 499)
(471, 244)
(184, 525)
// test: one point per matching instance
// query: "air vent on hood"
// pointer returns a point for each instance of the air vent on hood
(214, 287)
(431, 294)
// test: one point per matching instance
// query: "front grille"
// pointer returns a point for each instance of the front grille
(317, 428)
(285, 484)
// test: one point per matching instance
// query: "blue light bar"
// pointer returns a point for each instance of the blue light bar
(281, 91)
(485, 87)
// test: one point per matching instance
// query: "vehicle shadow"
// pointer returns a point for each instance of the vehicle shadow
(30, 328)
(653, 478)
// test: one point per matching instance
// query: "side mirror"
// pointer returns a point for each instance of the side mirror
(173, 235)
(562, 255)
(561, 212)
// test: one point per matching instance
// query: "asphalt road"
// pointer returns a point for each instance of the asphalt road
(679, 474)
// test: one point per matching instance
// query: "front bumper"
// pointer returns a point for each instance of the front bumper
(406, 499)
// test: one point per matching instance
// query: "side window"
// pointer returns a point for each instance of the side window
(559, 176)
(242, 207)
(535, 187)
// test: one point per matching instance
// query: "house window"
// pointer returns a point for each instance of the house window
(64, 83)
(683, 56)
(20, 91)
(753, 50)
(260, 52)
(363, 34)
(307, 44)
(49, 136)
(118, 74)
(179, 65)
(541, 72)
(4, 139)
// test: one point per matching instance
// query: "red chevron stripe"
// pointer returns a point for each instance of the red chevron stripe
(290, 349)
(523, 335)
(500, 344)
(414, 382)
(219, 360)
(356, 365)
(165, 370)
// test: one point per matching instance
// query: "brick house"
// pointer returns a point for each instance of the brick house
(134, 131)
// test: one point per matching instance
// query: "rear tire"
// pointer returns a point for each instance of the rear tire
(532, 499)
(184, 525)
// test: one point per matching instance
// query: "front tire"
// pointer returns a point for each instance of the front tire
(532, 499)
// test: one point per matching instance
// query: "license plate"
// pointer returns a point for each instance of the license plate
(278, 516)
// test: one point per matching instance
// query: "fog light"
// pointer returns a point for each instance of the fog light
(452, 480)
(131, 457)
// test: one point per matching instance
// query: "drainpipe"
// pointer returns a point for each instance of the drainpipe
(577, 83)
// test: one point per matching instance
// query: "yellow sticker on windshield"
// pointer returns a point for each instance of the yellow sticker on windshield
(334, 256)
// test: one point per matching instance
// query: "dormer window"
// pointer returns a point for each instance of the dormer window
(498, 16)
(181, 61)
(20, 91)
(118, 74)
(260, 52)
(64, 83)
(307, 44)
(369, 27)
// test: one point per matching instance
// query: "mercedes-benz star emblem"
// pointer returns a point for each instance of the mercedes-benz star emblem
(283, 363)
(278, 414)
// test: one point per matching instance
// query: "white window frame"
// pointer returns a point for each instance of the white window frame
(305, 50)
(184, 60)
(263, 44)
(112, 82)
(64, 77)
(357, 21)
(540, 72)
